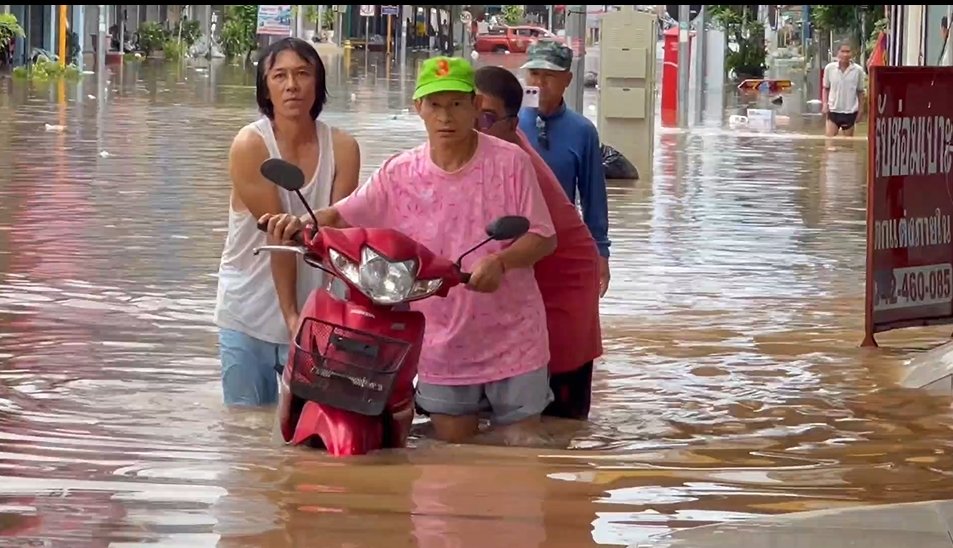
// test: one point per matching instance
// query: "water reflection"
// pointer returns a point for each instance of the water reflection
(733, 385)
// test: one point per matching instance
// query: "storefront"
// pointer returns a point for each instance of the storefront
(424, 24)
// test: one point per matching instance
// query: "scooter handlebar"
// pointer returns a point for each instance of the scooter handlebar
(296, 237)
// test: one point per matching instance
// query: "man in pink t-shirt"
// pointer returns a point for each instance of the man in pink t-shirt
(486, 346)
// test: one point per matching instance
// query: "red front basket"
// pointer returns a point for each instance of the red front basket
(345, 368)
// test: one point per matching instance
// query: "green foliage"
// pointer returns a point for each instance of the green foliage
(174, 49)
(191, 31)
(152, 37)
(239, 31)
(749, 59)
(44, 71)
(851, 21)
(741, 26)
(512, 15)
(10, 30)
(728, 18)
(881, 25)
(311, 15)
(839, 17)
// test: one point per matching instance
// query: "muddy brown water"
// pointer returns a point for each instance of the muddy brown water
(732, 385)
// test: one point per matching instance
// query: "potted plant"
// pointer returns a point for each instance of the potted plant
(311, 17)
(745, 34)
(10, 30)
(153, 37)
(327, 23)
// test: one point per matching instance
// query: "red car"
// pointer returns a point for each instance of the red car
(512, 39)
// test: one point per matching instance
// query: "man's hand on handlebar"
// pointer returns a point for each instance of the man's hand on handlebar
(487, 274)
(281, 227)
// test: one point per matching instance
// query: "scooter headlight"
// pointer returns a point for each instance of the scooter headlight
(383, 281)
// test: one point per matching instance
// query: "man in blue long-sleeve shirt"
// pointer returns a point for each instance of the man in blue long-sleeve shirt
(567, 141)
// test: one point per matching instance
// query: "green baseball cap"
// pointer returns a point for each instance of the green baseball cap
(444, 74)
(548, 55)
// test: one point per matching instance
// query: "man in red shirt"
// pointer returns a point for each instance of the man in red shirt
(568, 278)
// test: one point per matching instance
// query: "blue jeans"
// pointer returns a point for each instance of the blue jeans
(248, 368)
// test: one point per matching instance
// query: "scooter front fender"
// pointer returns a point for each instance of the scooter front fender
(342, 433)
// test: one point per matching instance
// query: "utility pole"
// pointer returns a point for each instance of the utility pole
(576, 34)
(701, 36)
(208, 32)
(121, 18)
(683, 63)
(466, 22)
(405, 13)
(61, 22)
(27, 36)
(101, 44)
(299, 22)
(863, 35)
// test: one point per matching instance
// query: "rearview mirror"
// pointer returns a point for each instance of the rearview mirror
(508, 227)
(282, 173)
(289, 177)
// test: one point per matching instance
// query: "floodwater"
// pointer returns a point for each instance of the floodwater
(732, 385)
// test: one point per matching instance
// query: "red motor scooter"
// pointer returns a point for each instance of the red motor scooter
(349, 382)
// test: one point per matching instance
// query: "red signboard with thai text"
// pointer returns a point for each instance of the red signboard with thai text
(909, 199)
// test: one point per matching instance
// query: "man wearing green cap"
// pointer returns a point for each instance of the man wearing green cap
(486, 347)
(567, 141)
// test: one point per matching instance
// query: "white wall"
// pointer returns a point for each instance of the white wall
(915, 23)
(90, 27)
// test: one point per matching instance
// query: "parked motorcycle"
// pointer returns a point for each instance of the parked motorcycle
(349, 383)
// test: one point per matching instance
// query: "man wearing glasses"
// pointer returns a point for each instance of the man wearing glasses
(568, 142)
(568, 279)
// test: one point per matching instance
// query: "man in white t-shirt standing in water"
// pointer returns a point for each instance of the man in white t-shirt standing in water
(259, 296)
(843, 93)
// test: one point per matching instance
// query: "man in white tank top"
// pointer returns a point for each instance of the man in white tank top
(259, 296)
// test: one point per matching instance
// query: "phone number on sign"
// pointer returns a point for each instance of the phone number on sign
(914, 287)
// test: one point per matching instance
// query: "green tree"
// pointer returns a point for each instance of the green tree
(512, 15)
(741, 26)
(851, 20)
(846, 18)
(239, 31)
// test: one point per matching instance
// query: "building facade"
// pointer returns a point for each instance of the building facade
(919, 35)
(40, 22)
